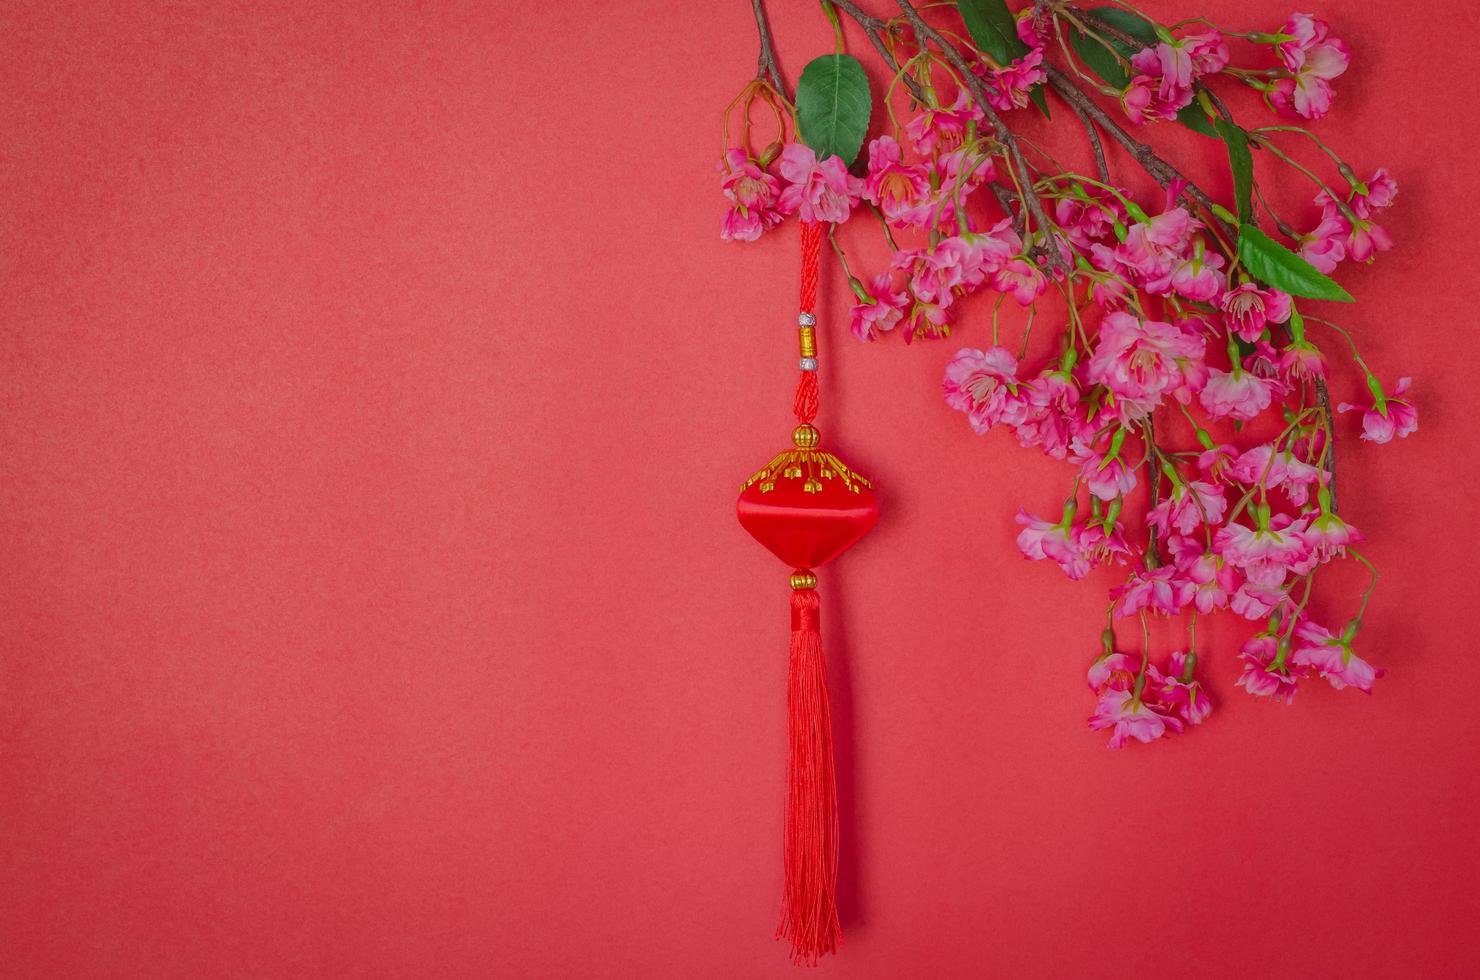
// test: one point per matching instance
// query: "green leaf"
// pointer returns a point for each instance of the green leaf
(1192, 116)
(993, 29)
(1099, 59)
(1126, 23)
(833, 106)
(1241, 163)
(1275, 265)
(1038, 99)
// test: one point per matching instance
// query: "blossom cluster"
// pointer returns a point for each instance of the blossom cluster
(1166, 335)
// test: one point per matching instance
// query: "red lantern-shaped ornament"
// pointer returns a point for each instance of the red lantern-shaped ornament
(807, 508)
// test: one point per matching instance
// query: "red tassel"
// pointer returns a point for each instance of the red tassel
(809, 911)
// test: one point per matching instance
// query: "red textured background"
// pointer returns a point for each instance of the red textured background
(375, 394)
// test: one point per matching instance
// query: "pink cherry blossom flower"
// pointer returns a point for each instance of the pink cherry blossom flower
(1112, 671)
(1333, 658)
(1247, 309)
(983, 384)
(1363, 237)
(1053, 415)
(1107, 477)
(940, 129)
(1325, 245)
(1246, 547)
(936, 274)
(1264, 361)
(1256, 599)
(1301, 361)
(1021, 280)
(1264, 467)
(927, 320)
(1235, 394)
(1171, 66)
(1142, 101)
(882, 309)
(1212, 579)
(1027, 28)
(1328, 535)
(896, 188)
(1099, 545)
(1199, 278)
(1188, 505)
(1390, 414)
(1178, 690)
(1153, 247)
(1381, 191)
(1165, 73)
(1262, 676)
(1313, 58)
(753, 195)
(1086, 222)
(817, 191)
(1042, 539)
(1140, 361)
(1008, 87)
(1129, 717)
(1217, 463)
(1160, 590)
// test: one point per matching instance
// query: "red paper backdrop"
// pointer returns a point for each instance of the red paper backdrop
(376, 393)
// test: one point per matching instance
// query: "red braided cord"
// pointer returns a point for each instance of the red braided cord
(811, 251)
(805, 406)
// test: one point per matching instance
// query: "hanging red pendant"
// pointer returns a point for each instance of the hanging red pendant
(807, 507)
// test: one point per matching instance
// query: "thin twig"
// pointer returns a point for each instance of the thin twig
(1094, 141)
(1049, 246)
(1330, 462)
(1161, 171)
(1153, 477)
(766, 67)
(875, 29)
(1007, 197)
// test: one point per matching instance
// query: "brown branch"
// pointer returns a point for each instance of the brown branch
(766, 67)
(1101, 167)
(1007, 198)
(1034, 207)
(1103, 26)
(1161, 171)
(875, 29)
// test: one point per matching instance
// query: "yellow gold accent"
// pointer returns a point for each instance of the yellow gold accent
(805, 436)
(803, 580)
(807, 337)
(810, 465)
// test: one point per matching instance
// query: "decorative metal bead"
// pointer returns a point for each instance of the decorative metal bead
(807, 363)
(803, 580)
(805, 436)
(806, 320)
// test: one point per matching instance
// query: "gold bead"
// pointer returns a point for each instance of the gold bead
(805, 436)
(807, 342)
(803, 580)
